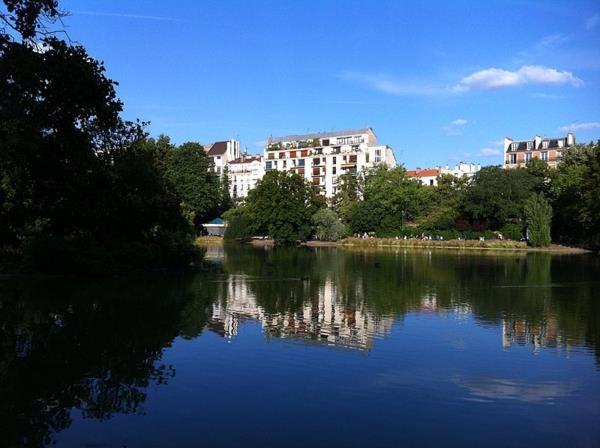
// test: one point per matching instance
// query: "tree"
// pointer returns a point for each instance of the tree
(497, 195)
(389, 199)
(190, 171)
(282, 205)
(538, 213)
(347, 195)
(74, 176)
(225, 201)
(328, 226)
(575, 191)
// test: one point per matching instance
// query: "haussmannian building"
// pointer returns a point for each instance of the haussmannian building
(321, 158)
(244, 173)
(551, 150)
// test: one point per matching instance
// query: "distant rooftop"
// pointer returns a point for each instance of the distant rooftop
(218, 149)
(246, 159)
(427, 172)
(300, 137)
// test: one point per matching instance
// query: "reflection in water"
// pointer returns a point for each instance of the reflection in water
(96, 346)
(508, 389)
(324, 319)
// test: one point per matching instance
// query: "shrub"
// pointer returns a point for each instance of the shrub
(512, 231)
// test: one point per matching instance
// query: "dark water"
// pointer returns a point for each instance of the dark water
(308, 347)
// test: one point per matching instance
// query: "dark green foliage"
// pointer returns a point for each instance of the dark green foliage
(538, 213)
(389, 198)
(239, 224)
(497, 195)
(189, 169)
(576, 197)
(72, 172)
(282, 205)
(512, 231)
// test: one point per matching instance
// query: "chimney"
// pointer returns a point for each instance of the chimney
(570, 139)
(507, 142)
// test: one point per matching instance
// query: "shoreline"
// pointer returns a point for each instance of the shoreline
(392, 243)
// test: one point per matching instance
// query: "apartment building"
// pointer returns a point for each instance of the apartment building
(518, 153)
(429, 176)
(321, 158)
(244, 172)
(222, 153)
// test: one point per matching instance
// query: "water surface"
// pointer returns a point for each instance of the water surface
(308, 347)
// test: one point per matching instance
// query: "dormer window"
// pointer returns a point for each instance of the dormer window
(514, 146)
(561, 143)
(545, 144)
(529, 145)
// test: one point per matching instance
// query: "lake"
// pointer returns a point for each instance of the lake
(301, 347)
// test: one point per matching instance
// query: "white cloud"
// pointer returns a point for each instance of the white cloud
(495, 78)
(592, 22)
(489, 152)
(127, 16)
(387, 84)
(580, 126)
(455, 127)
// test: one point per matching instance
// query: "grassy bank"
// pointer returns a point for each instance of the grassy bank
(455, 244)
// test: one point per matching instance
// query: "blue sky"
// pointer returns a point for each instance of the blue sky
(438, 81)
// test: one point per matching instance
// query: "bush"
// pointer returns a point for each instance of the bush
(512, 231)
(328, 226)
(538, 213)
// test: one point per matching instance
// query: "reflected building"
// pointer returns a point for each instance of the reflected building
(539, 335)
(324, 319)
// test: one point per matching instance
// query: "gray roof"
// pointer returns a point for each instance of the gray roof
(292, 138)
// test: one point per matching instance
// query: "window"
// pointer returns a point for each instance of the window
(514, 146)
(561, 143)
(529, 145)
(317, 161)
(326, 142)
(545, 156)
(513, 158)
(377, 155)
(527, 157)
(545, 144)
(300, 162)
(285, 163)
(334, 170)
(334, 160)
(268, 166)
(430, 181)
(219, 170)
(218, 157)
(281, 155)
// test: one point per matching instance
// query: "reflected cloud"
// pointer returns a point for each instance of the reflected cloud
(510, 389)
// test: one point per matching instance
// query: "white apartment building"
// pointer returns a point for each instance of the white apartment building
(322, 157)
(222, 153)
(244, 172)
(429, 176)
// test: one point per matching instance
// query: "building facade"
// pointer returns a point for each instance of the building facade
(322, 157)
(429, 176)
(244, 173)
(551, 150)
(222, 153)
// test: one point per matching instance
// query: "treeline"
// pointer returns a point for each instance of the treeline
(536, 203)
(80, 188)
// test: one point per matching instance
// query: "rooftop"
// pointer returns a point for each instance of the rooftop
(299, 137)
(218, 149)
(427, 172)
(246, 159)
